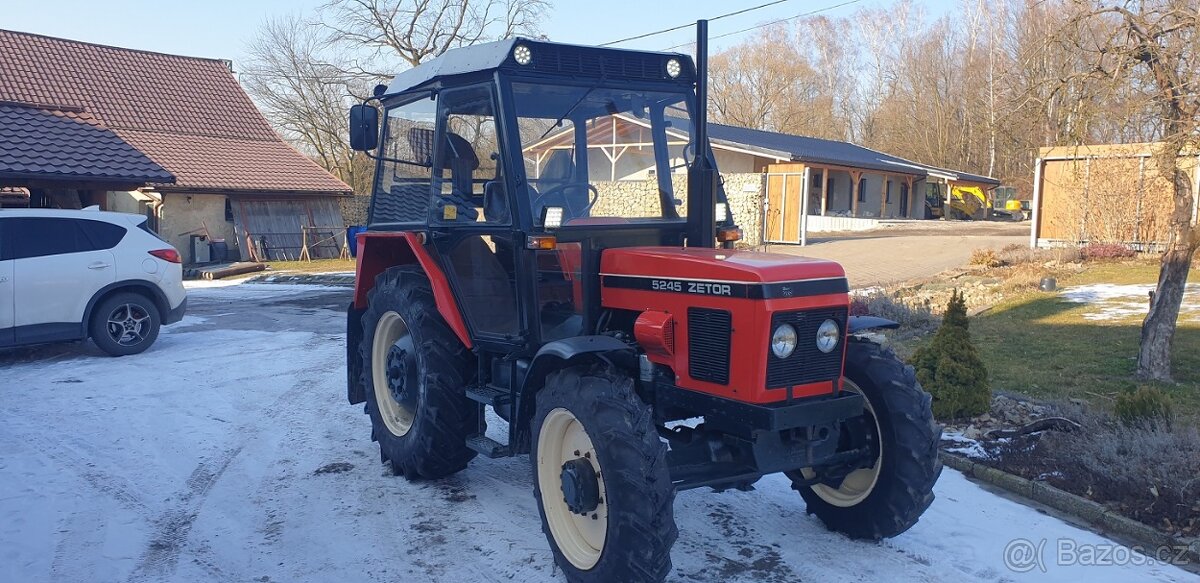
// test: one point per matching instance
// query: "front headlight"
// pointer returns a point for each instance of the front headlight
(783, 341)
(828, 336)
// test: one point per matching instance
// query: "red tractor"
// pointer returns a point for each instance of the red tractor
(549, 237)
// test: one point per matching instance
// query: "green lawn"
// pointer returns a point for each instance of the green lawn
(1041, 345)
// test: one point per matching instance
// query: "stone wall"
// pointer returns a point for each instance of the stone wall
(745, 193)
(639, 198)
(355, 209)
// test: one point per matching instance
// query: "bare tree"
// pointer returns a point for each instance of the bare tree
(415, 30)
(304, 97)
(306, 72)
(1146, 53)
(764, 83)
(1157, 49)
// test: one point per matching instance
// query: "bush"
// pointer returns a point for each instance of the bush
(1095, 251)
(1145, 407)
(912, 316)
(1016, 254)
(986, 258)
(949, 367)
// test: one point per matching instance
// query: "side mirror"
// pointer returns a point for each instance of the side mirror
(364, 127)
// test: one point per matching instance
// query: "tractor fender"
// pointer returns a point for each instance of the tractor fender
(863, 323)
(557, 355)
(380, 250)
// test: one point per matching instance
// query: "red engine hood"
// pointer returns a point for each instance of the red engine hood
(715, 265)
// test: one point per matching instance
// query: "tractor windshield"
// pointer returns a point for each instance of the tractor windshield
(604, 155)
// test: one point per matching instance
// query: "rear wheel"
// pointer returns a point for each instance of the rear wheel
(887, 497)
(415, 371)
(125, 323)
(601, 479)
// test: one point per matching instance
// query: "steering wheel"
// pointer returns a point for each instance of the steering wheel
(562, 188)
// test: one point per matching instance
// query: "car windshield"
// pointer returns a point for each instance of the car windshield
(604, 155)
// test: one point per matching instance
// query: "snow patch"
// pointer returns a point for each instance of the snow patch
(1112, 302)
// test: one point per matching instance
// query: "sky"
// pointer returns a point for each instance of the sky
(223, 28)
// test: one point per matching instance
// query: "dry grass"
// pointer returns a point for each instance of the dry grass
(314, 266)
(1147, 473)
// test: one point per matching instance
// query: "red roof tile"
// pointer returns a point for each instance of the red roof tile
(187, 114)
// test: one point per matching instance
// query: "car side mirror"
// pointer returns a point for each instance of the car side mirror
(364, 127)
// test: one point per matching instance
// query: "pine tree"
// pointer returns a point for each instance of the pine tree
(949, 367)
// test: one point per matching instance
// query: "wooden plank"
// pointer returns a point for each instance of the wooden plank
(774, 218)
(792, 193)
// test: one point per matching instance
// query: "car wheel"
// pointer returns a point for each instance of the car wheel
(124, 324)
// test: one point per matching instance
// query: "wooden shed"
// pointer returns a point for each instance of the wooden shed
(1109, 193)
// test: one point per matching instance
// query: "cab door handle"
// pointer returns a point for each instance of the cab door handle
(99, 265)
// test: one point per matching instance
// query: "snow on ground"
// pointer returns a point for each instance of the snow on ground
(1110, 302)
(227, 452)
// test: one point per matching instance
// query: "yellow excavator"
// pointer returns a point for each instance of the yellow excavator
(966, 203)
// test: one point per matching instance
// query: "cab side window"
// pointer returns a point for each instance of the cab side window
(469, 185)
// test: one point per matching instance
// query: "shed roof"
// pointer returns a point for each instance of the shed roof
(184, 113)
(49, 144)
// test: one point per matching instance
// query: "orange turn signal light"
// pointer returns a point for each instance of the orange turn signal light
(729, 234)
(541, 242)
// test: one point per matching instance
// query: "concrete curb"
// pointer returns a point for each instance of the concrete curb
(334, 279)
(1077, 506)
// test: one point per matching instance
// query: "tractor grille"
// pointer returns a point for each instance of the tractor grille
(708, 344)
(806, 364)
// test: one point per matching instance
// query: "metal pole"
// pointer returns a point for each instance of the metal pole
(1037, 204)
(804, 191)
(701, 205)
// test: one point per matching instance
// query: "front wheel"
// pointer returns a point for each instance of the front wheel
(887, 497)
(601, 479)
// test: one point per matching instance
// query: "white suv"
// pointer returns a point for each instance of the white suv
(72, 275)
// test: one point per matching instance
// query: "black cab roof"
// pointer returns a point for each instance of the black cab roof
(549, 59)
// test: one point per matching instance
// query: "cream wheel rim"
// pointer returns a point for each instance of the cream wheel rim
(859, 483)
(580, 538)
(396, 417)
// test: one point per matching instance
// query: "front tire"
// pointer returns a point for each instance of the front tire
(601, 479)
(415, 371)
(124, 324)
(889, 497)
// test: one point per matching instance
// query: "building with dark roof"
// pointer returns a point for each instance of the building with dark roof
(172, 137)
(849, 186)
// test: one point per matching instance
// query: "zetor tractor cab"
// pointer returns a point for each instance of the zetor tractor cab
(543, 241)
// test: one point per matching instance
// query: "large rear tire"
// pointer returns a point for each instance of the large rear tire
(889, 497)
(601, 480)
(415, 371)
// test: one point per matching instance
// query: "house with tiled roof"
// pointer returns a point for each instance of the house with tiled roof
(172, 137)
(777, 185)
